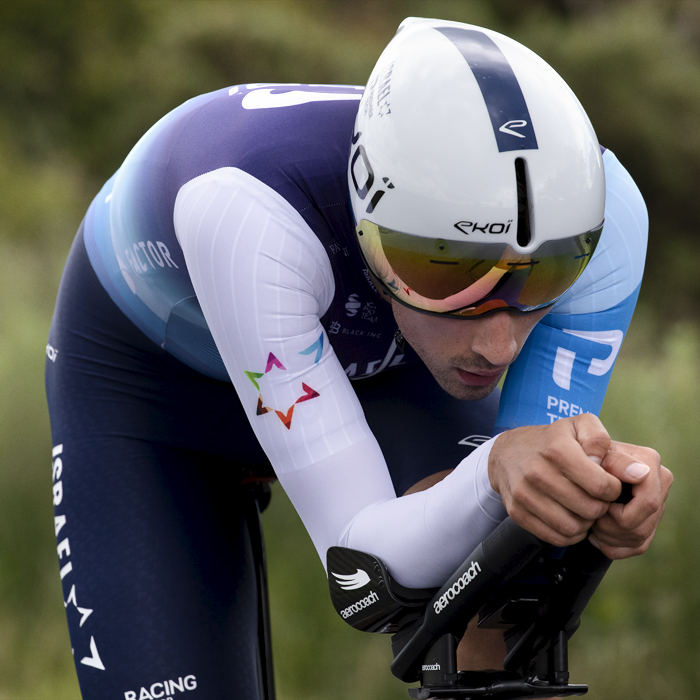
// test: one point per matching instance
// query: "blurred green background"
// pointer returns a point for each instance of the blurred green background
(81, 80)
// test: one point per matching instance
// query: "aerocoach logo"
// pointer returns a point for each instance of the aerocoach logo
(457, 587)
(351, 582)
(371, 599)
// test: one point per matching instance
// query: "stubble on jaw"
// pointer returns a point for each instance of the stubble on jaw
(445, 373)
(444, 353)
(444, 370)
(449, 380)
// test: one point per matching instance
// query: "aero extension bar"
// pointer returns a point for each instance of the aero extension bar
(513, 581)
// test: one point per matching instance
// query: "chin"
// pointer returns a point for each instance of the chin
(467, 393)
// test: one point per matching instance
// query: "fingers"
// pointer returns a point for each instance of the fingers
(591, 440)
(618, 542)
(630, 463)
(550, 477)
(545, 485)
(560, 481)
(577, 447)
(592, 436)
(640, 466)
(620, 552)
(627, 530)
(550, 521)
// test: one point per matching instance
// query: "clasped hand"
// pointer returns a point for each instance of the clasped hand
(560, 482)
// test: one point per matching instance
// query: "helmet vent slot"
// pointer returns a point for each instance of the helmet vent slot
(524, 235)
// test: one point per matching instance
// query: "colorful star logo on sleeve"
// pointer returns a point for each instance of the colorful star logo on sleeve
(309, 393)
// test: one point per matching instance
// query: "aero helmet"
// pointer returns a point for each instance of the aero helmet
(476, 179)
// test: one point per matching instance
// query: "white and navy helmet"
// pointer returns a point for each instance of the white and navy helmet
(476, 179)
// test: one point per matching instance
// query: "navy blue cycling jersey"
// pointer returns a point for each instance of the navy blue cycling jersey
(237, 309)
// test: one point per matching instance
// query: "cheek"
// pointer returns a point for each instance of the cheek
(424, 333)
(528, 325)
(437, 339)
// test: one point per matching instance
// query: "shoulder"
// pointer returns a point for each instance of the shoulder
(228, 213)
(236, 195)
(280, 134)
(624, 206)
(277, 133)
(616, 269)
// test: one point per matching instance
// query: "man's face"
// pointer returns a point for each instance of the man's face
(466, 356)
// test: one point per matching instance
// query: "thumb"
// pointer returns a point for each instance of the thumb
(625, 467)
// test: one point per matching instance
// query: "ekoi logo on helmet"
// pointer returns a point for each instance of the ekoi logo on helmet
(474, 226)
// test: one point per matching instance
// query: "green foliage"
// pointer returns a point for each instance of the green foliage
(35, 658)
(81, 82)
(644, 619)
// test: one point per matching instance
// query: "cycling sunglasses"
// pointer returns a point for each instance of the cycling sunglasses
(465, 279)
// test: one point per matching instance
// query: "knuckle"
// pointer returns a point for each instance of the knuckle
(667, 477)
(518, 493)
(517, 512)
(571, 529)
(593, 510)
(642, 547)
(589, 419)
(628, 548)
(652, 502)
(556, 452)
(600, 486)
(646, 537)
(559, 540)
(638, 538)
(653, 455)
(535, 479)
(597, 441)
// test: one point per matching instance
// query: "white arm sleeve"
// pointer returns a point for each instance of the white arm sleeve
(263, 281)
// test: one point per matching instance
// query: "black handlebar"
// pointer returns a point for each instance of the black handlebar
(532, 591)
(497, 559)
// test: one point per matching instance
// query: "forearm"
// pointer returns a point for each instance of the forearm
(422, 537)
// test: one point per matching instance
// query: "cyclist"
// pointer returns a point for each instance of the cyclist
(224, 309)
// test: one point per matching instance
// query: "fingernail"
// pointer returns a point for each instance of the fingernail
(597, 460)
(637, 470)
(594, 541)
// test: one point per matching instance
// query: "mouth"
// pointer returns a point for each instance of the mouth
(479, 378)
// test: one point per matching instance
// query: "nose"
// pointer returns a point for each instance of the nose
(496, 338)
